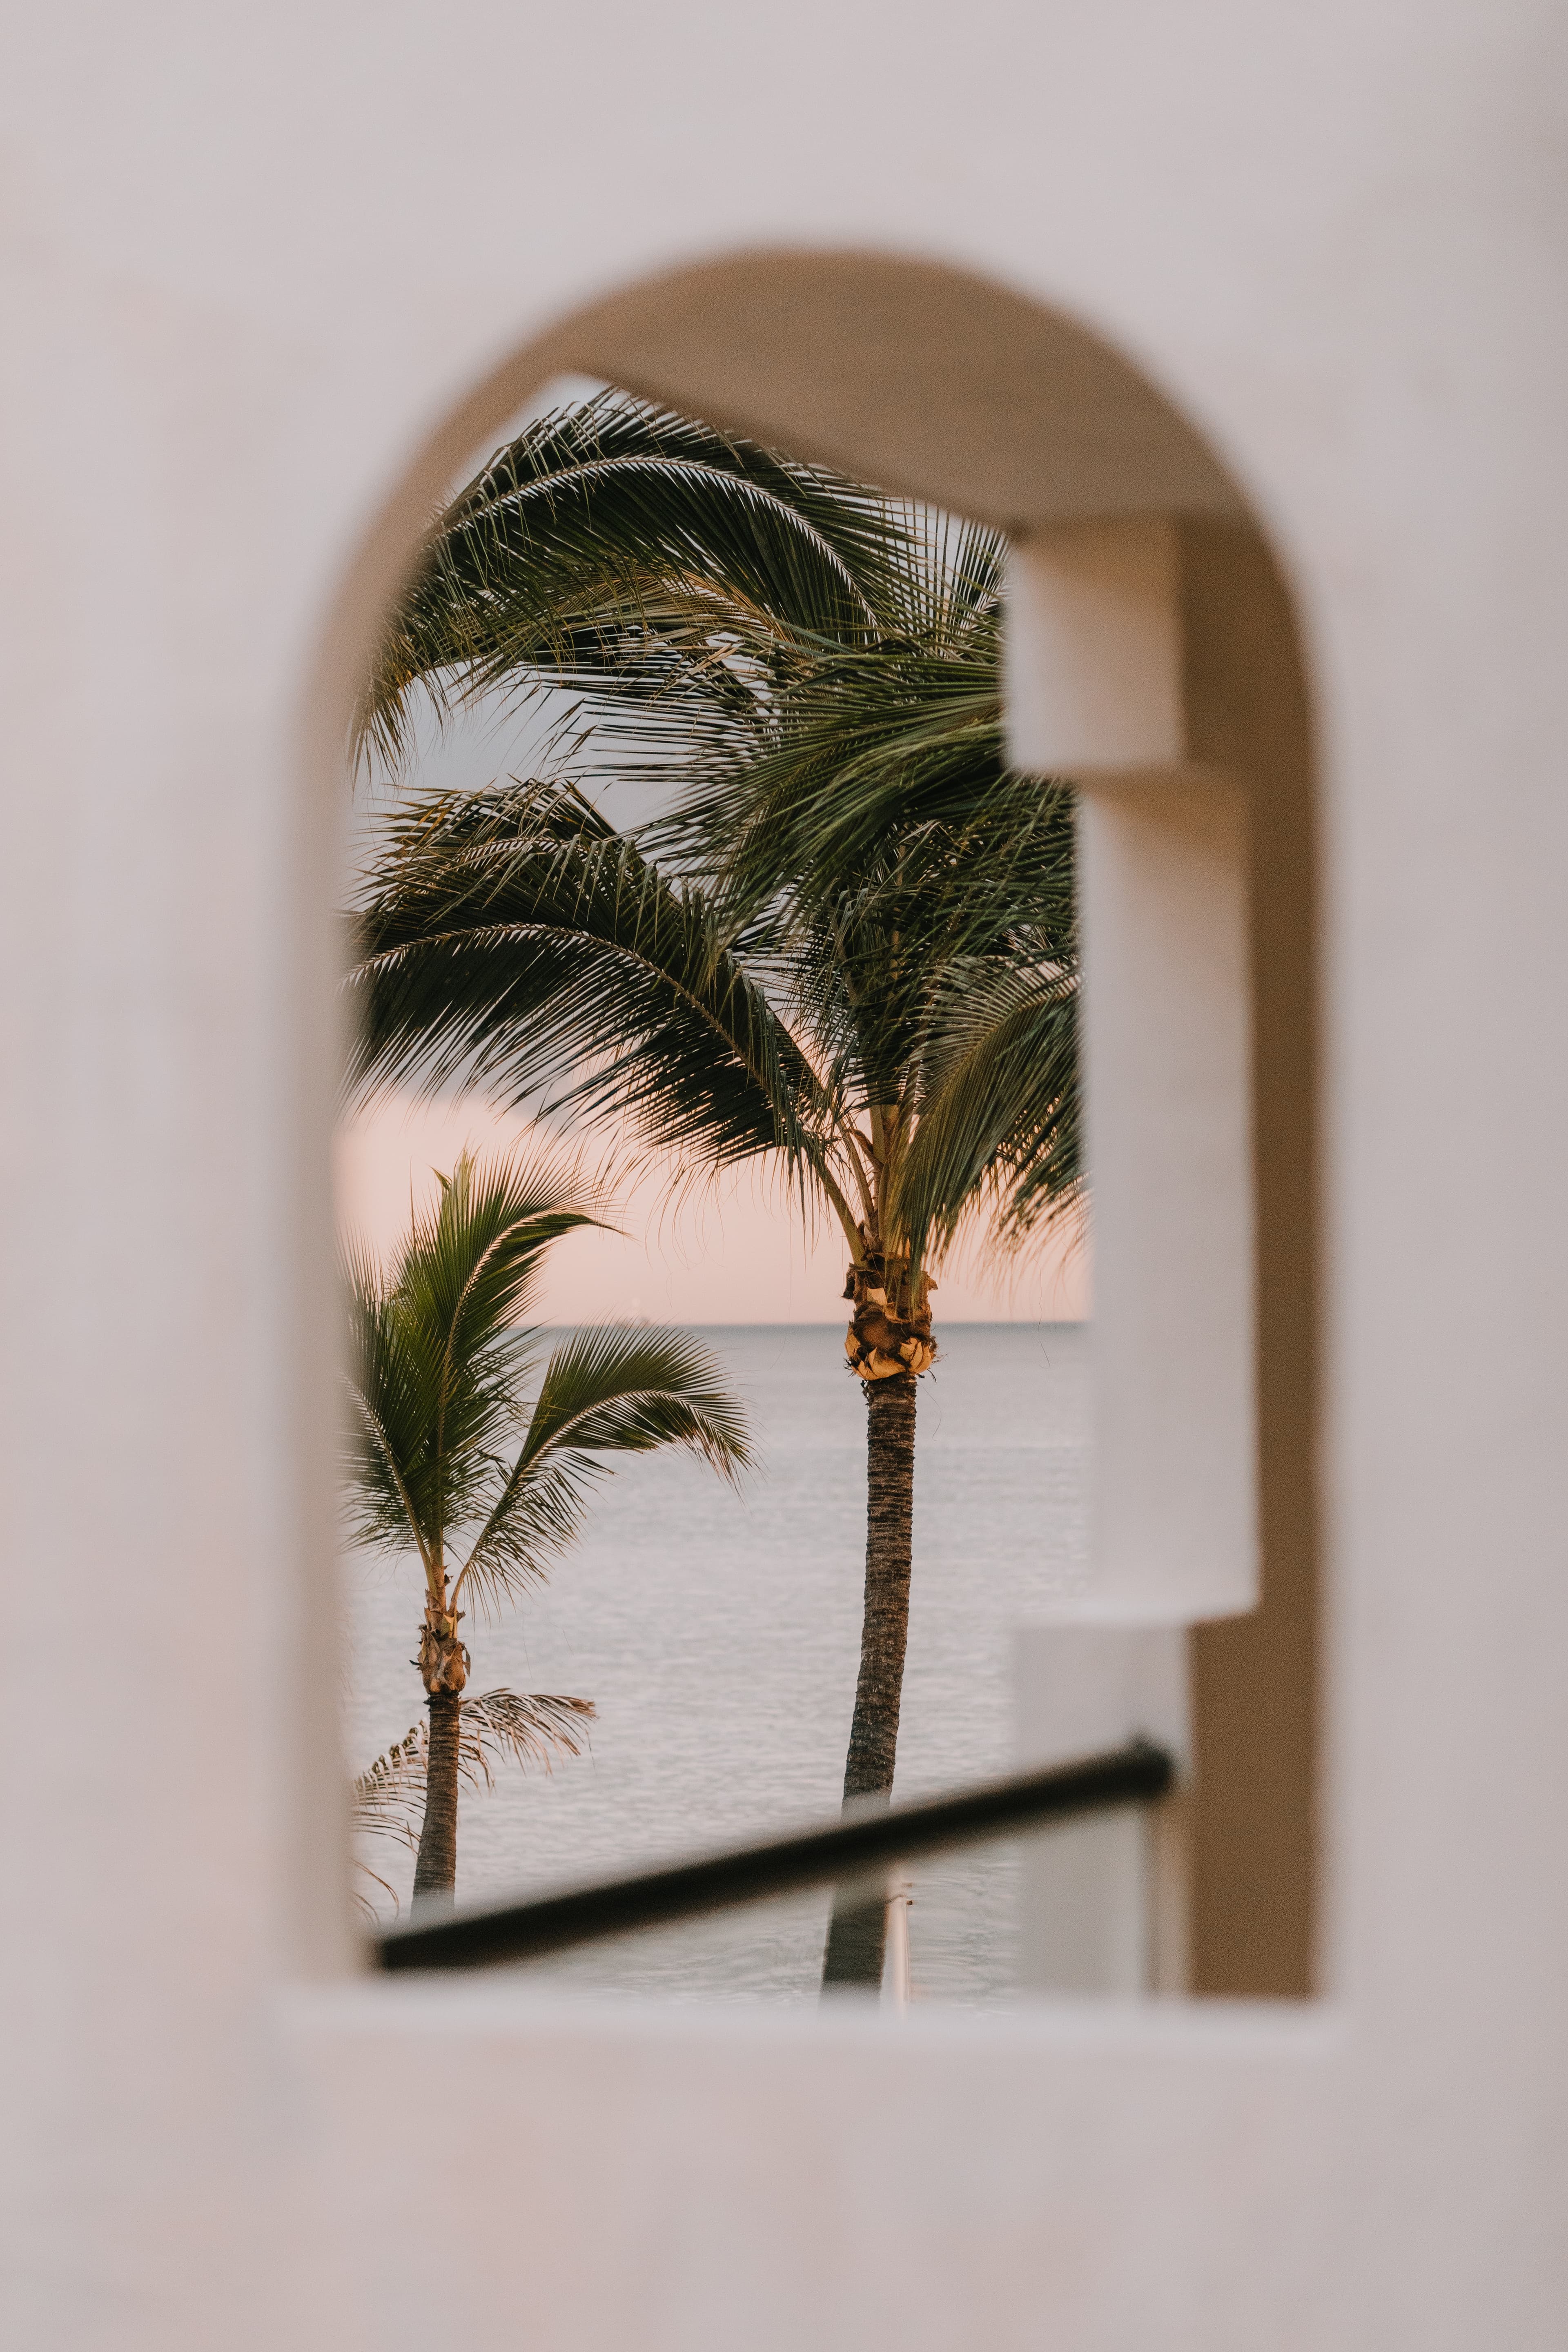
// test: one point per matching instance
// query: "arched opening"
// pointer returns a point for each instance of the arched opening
(934, 384)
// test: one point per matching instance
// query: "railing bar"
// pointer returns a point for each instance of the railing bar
(1138, 1774)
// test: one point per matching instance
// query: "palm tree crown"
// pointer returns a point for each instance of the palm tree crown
(851, 943)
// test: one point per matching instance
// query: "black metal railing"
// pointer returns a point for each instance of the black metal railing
(1139, 1774)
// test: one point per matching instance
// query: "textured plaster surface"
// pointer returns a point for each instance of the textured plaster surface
(258, 268)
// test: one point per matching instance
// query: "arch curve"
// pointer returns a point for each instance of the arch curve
(943, 386)
(862, 362)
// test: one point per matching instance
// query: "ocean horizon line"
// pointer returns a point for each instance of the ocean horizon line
(832, 1323)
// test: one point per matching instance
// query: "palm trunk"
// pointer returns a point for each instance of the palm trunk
(858, 1931)
(436, 1865)
(444, 1670)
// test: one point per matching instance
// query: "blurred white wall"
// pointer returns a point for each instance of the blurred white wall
(268, 275)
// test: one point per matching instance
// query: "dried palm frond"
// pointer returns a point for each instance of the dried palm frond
(527, 1729)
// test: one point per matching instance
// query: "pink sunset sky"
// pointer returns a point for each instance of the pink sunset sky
(732, 1253)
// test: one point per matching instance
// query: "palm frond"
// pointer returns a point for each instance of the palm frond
(527, 1729)
(531, 1729)
(436, 1346)
(999, 1128)
(513, 939)
(593, 544)
(609, 1390)
(387, 1799)
(625, 1389)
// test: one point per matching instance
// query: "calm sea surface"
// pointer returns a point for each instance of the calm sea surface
(718, 1634)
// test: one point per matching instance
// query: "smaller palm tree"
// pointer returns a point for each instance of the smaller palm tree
(445, 1457)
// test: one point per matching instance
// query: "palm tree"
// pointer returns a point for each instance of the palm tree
(851, 945)
(446, 1459)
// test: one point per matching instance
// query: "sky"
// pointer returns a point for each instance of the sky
(734, 1252)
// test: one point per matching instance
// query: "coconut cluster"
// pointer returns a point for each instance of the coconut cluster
(443, 1658)
(887, 1334)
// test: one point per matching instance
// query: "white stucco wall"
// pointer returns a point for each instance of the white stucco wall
(251, 261)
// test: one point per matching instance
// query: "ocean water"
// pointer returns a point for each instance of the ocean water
(718, 1634)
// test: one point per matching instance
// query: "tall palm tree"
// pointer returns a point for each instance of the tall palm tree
(849, 945)
(446, 1459)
